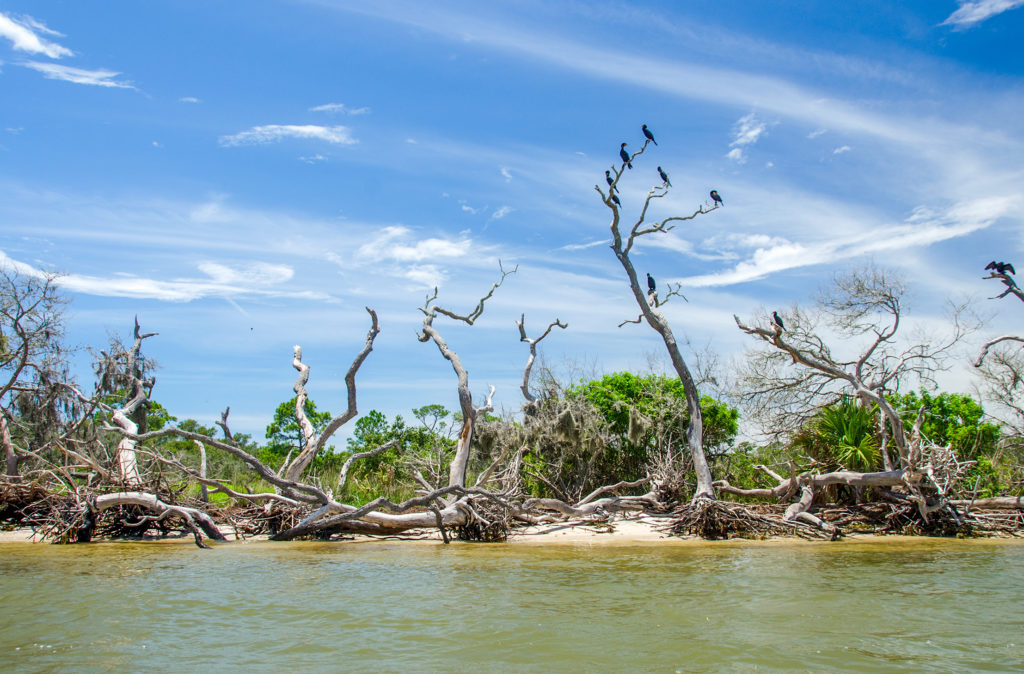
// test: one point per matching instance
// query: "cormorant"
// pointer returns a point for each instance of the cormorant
(664, 177)
(778, 320)
(648, 135)
(651, 287)
(717, 199)
(611, 181)
(624, 155)
(616, 200)
(1001, 267)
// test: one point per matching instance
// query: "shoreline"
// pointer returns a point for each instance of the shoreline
(643, 530)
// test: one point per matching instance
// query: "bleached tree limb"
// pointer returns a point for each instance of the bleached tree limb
(315, 443)
(430, 310)
(992, 342)
(533, 351)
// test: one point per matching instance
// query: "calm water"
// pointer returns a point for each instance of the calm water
(912, 606)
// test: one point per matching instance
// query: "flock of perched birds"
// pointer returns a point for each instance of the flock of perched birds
(1004, 269)
(624, 155)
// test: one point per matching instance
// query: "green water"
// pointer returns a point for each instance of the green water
(910, 606)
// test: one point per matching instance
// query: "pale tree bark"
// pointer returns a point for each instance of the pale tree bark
(457, 470)
(312, 442)
(533, 342)
(136, 397)
(649, 303)
(9, 454)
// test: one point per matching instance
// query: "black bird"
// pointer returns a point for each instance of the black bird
(717, 199)
(624, 155)
(664, 177)
(651, 287)
(1001, 267)
(648, 135)
(778, 320)
(616, 200)
(611, 181)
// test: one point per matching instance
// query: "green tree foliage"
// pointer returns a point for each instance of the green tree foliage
(284, 434)
(423, 446)
(842, 435)
(950, 418)
(608, 430)
(649, 412)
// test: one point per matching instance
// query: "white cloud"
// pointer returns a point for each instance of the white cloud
(221, 281)
(840, 150)
(747, 130)
(313, 159)
(501, 212)
(339, 108)
(584, 246)
(99, 78)
(23, 38)
(814, 134)
(426, 274)
(506, 174)
(976, 11)
(393, 244)
(272, 133)
(252, 274)
(188, 99)
(775, 254)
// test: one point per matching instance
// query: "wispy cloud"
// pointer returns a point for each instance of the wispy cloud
(395, 243)
(22, 31)
(98, 78)
(817, 132)
(220, 280)
(840, 150)
(746, 131)
(975, 11)
(273, 133)
(501, 212)
(339, 108)
(188, 99)
(777, 254)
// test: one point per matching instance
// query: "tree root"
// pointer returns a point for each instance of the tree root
(718, 520)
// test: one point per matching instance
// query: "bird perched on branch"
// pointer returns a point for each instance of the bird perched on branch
(778, 320)
(648, 135)
(624, 155)
(1001, 267)
(611, 181)
(651, 286)
(664, 177)
(616, 200)
(716, 197)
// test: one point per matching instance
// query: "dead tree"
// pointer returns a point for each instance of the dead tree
(33, 370)
(622, 245)
(470, 412)
(800, 364)
(533, 342)
(127, 416)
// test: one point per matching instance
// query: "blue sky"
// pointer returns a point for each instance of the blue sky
(249, 176)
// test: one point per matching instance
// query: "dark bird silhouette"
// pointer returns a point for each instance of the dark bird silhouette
(1001, 267)
(664, 177)
(624, 155)
(648, 135)
(716, 197)
(611, 181)
(778, 320)
(651, 286)
(616, 200)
